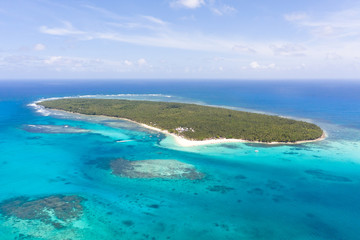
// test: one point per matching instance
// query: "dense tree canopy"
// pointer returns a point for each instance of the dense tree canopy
(195, 121)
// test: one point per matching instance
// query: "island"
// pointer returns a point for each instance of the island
(195, 122)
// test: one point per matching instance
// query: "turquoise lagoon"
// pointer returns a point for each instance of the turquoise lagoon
(250, 191)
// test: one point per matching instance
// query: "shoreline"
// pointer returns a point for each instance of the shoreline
(184, 142)
(193, 143)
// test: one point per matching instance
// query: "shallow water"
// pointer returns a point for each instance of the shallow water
(306, 191)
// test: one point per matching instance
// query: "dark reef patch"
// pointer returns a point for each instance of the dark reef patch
(56, 210)
(326, 176)
(164, 169)
(262, 145)
(223, 226)
(274, 185)
(240, 177)
(154, 206)
(291, 153)
(128, 223)
(256, 191)
(280, 198)
(320, 229)
(33, 138)
(230, 146)
(220, 188)
(102, 163)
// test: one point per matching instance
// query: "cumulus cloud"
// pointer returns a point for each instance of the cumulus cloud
(39, 47)
(52, 60)
(128, 63)
(256, 65)
(141, 62)
(192, 4)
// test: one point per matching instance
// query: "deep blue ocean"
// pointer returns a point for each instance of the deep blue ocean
(250, 191)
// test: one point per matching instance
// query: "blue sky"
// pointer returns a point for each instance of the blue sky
(186, 39)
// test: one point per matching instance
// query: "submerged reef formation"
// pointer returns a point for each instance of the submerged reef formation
(53, 129)
(219, 188)
(55, 210)
(326, 176)
(164, 169)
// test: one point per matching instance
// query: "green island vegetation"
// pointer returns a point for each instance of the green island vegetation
(195, 122)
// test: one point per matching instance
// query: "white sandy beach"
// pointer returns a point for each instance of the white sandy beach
(192, 143)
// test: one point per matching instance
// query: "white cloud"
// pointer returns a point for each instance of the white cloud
(295, 16)
(222, 10)
(243, 49)
(164, 34)
(39, 47)
(160, 34)
(188, 3)
(216, 11)
(105, 12)
(19, 61)
(340, 24)
(128, 63)
(155, 20)
(70, 64)
(52, 60)
(256, 65)
(271, 65)
(68, 29)
(333, 56)
(142, 62)
(288, 49)
(215, 7)
(158, 37)
(188, 18)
